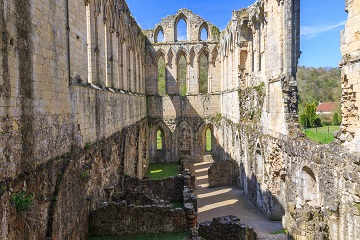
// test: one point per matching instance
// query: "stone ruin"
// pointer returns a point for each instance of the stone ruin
(82, 110)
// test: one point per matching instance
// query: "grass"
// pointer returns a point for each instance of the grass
(323, 135)
(177, 204)
(164, 236)
(280, 232)
(162, 170)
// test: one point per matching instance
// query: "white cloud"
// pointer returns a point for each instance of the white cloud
(313, 31)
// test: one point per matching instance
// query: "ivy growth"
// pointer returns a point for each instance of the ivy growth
(22, 200)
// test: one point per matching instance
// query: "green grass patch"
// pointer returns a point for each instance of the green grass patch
(280, 232)
(164, 236)
(323, 135)
(176, 204)
(162, 170)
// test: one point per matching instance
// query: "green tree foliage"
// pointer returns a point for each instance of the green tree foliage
(204, 70)
(161, 77)
(336, 120)
(317, 84)
(309, 118)
(182, 75)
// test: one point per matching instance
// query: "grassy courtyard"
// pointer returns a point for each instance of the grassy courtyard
(323, 135)
(162, 170)
(165, 236)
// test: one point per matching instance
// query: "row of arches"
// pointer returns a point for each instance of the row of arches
(167, 146)
(114, 46)
(181, 32)
(180, 73)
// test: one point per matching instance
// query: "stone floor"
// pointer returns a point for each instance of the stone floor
(221, 201)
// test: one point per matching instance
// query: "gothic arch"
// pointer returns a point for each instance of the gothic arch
(179, 17)
(203, 66)
(201, 135)
(185, 140)
(163, 154)
(156, 34)
(205, 26)
(181, 52)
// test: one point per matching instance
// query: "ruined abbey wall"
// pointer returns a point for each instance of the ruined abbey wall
(182, 115)
(315, 187)
(80, 108)
(350, 64)
(72, 111)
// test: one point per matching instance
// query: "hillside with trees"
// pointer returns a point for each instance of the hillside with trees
(318, 84)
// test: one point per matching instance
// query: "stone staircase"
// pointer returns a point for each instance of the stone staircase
(208, 158)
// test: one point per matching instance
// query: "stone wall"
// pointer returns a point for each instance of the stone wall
(350, 64)
(60, 93)
(68, 187)
(120, 219)
(257, 48)
(228, 227)
(168, 189)
(224, 173)
(314, 186)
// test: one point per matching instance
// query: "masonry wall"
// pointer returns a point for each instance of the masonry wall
(350, 64)
(120, 219)
(256, 49)
(58, 96)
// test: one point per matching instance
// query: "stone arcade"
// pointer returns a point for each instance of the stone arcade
(81, 108)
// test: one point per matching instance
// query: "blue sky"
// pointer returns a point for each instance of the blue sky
(321, 22)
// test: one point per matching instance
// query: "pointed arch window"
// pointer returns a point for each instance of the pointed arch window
(159, 35)
(181, 30)
(161, 76)
(208, 140)
(204, 36)
(159, 140)
(182, 72)
(203, 73)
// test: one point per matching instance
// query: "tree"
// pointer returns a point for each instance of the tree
(309, 117)
(336, 121)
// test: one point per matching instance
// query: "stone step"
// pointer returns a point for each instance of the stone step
(208, 158)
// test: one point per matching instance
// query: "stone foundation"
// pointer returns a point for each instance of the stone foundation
(229, 227)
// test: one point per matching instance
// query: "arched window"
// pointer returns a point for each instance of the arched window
(203, 73)
(161, 77)
(181, 30)
(204, 35)
(159, 36)
(159, 140)
(208, 140)
(182, 75)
